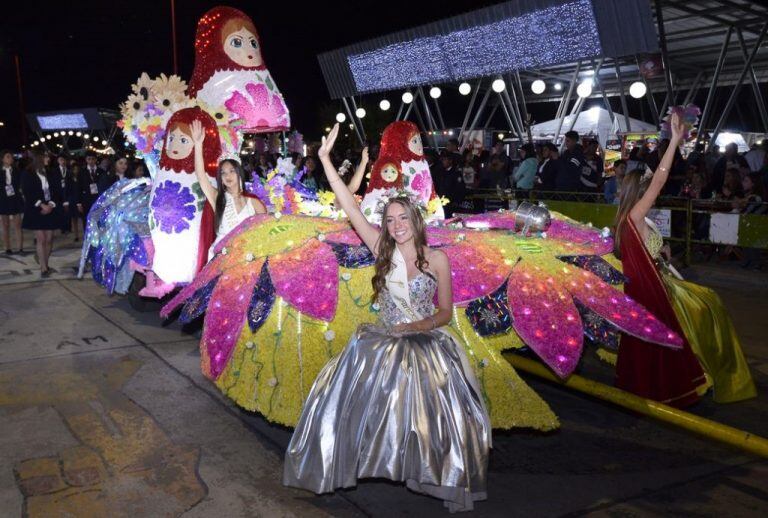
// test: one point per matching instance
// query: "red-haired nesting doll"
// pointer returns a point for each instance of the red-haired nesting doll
(181, 222)
(401, 145)
(230, 72)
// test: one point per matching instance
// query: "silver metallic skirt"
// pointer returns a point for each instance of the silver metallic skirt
(401, 407)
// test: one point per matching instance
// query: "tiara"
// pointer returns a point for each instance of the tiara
(393, 194)
(230, 156)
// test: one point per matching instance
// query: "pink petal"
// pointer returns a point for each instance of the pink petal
(225, 318)
(308, 279)
(239, 105)
(441, 236)
(344, 237)
(474, 274)
(617, 308)
(581, 235)
(259, 94)
(545, 317)
(209, 271)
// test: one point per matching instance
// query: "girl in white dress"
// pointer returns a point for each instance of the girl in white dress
(231, 205)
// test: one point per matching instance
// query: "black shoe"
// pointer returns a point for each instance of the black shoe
(46, 273)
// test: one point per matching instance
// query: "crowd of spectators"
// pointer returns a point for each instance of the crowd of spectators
(733, 181)
(47, 194)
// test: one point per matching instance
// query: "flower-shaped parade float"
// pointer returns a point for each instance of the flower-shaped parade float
(285, 290)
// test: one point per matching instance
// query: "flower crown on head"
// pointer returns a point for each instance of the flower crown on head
(393, 194)
(230, 156)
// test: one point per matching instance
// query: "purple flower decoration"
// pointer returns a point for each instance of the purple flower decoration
(172, 206)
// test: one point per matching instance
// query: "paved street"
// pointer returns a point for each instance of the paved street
(104, 412)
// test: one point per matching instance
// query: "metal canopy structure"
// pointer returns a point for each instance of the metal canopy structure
(699, 46)
(70, 130)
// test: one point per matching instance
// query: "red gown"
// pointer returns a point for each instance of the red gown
(670, 376)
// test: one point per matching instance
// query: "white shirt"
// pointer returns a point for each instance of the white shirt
(8, 177)
(46, 190)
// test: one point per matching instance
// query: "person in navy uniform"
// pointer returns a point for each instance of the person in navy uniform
(11, 202)
(42, 206)
(92, 182)
(70, 195)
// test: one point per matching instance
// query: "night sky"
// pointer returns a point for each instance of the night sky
(83, 53)
(87, 54)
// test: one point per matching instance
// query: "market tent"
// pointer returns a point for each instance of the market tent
(726, 137)
(595, 121)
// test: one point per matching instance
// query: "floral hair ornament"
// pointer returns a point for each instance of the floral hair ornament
(234, 157)
(393, 194)
(689, 115)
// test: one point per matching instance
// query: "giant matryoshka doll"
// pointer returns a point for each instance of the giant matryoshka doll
(385, 176)
(401, 145)
(230, 72)
(181, 221)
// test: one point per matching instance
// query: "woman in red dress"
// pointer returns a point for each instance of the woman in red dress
(711, 355)
(671, 376)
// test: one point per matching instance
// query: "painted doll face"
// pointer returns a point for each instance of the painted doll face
(389, 173)
(179, 145)
(242, 47)
(415, 145)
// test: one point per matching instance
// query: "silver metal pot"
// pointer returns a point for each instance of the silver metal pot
(531, 217)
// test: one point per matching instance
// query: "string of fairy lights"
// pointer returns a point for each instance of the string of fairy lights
(71, 141)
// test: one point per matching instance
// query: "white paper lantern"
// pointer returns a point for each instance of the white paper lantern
(498, 85)
(558, 86)
(340, 117)
(360, 112)
(464, 88)
(407, 97)
(435, 92)
(538, 86)
(384, 105)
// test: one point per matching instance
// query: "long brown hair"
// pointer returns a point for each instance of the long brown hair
(632, 188)
(221, 197)
(386, 244)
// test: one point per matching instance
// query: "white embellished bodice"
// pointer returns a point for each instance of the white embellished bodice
(231, 217)
(421, 290)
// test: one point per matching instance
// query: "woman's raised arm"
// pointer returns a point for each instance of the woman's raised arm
(641, 208)
(357, 179)
(367, 232)
(198, 137)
